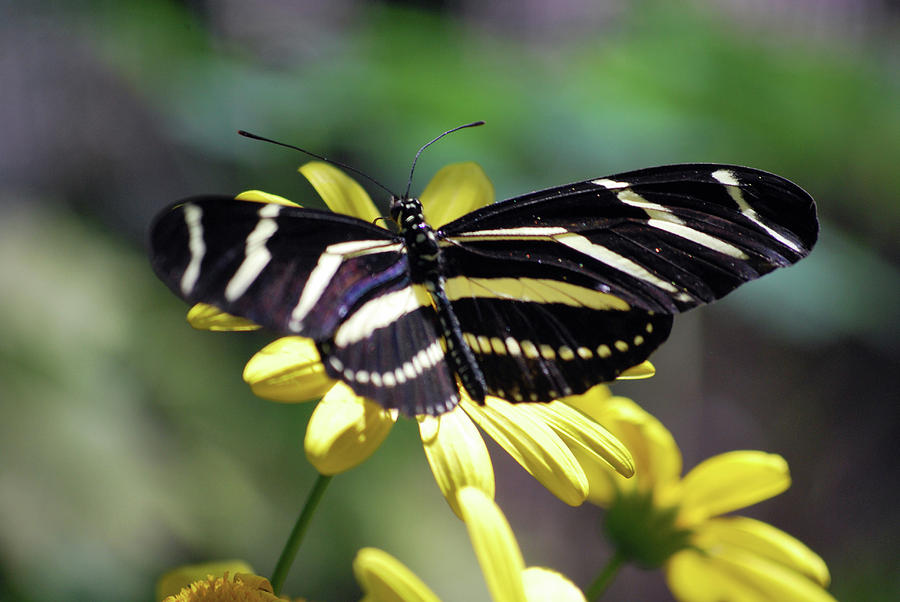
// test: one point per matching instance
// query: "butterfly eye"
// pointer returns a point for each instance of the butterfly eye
(396, 208)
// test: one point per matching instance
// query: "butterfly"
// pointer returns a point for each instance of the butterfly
(530, 299)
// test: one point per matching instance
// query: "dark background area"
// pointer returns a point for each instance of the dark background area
(130, 445)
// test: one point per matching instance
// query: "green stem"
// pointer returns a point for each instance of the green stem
(293, 543)
(605, 577)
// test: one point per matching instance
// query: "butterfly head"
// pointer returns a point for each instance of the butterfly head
(406, 212)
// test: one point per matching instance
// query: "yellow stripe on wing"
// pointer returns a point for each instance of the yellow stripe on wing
(533, 290)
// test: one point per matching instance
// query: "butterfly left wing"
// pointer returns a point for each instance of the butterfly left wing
(565, 288)
(389, 350)
(335, 279)
(276, 265)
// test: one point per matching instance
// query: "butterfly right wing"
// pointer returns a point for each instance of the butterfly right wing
(563, 288)
(538, 336)
(664, 239)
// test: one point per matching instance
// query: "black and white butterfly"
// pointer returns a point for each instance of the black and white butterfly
(529, 299)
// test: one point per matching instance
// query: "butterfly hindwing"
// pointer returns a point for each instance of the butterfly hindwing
(390, 350)
(532, 352)
(536, 338)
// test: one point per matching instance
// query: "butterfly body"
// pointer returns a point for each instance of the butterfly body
(529, 299)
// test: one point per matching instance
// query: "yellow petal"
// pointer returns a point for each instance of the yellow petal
(383, 578)
(544, 585)
(694, 578)
(454, 191)
(643, 370)
(657, 459)
(731, 481)
(344, 430)
(457, 454)
(172, 582)
(495, 545)
(603, 484)
(258, 196)
(207, 317)
(738, 576)
(289, 370)
(340, 192)
(532, 444)
(581, 432)
(763, 540)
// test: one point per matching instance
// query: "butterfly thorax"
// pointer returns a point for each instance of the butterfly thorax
(421, 242)
(425, 267)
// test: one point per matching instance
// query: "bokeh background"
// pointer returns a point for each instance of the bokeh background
(129, 443)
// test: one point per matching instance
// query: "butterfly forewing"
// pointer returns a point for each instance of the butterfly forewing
(255, 260)
(664, 239)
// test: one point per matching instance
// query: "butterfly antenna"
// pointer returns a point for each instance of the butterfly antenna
(321, 158)
(427, 144)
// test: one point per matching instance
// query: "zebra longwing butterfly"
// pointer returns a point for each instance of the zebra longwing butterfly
(529, 299)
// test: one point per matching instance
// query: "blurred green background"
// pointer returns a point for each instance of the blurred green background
(130, 445)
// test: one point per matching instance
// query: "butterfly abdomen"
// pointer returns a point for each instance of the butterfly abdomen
(426, 268)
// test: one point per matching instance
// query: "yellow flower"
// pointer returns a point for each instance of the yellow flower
(227, 581)
(345, 429)
(659, 518)
(385, 579)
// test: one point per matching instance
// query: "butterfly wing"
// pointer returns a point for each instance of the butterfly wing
(389, 350)
(338, 280)
(665, 239)
(272, 263)
(562, 289)
(539, 339)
